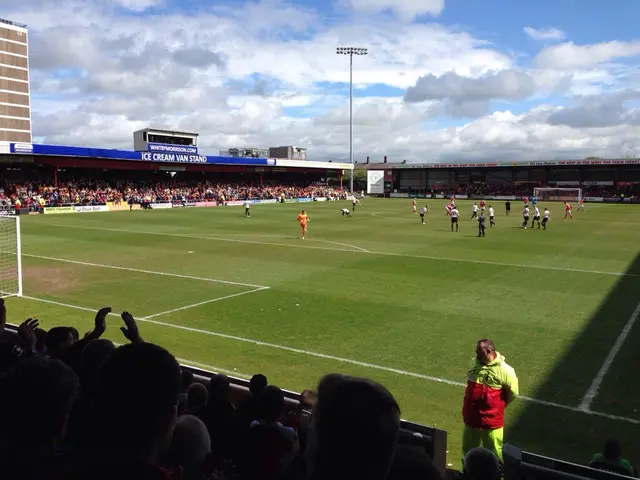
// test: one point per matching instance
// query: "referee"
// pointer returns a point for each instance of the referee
(481, 224)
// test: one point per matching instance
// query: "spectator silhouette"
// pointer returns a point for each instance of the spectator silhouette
(354, 430)
(186, 381)
(197, 397)
(190, 448)
(37, 394)
(133, 413)
(611, 460)
(222, 419)
(249, 409)
(482, 464)
(412, 463)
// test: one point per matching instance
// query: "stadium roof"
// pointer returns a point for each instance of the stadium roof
(173, 157)
(533, 163)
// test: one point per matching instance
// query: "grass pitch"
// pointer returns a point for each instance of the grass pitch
(377, 295)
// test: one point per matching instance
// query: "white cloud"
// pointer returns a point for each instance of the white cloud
(405, 9)
(571, 56)
(138, 5)
(256, 75)
(544, 33)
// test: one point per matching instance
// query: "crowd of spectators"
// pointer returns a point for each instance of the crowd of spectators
(87, 192)
(83, 408)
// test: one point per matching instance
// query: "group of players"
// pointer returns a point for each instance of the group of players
(452, 211)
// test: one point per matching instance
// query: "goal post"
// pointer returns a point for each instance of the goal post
(10, 257)
(558, 194)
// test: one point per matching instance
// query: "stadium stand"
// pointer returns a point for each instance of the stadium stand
(84, 408)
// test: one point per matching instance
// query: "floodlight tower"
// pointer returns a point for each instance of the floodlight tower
(351, 51)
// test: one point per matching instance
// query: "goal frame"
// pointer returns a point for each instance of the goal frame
(18, 253)
(560, 197)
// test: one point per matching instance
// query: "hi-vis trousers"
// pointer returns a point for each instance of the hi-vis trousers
(489, 439)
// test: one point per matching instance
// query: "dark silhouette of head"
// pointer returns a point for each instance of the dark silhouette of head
(58, 340)
(354, 430)
(39, 393)
(270, 404)
(482, 464)
(135, 400)
(257, 383)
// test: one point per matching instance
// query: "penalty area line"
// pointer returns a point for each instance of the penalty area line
(353, 362)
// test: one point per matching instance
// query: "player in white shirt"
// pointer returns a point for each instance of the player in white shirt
(247, 208)
(525, 217)
(414, 206)
(545, 218)
(454, 218)
(354, 202)
(346, 212)
(474, 209)
(536, 216)
(492, 215)
(423, 210)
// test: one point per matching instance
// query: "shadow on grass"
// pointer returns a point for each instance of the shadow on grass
(576, 436)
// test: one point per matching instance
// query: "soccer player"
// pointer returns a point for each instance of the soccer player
(247, 208)
(354, 202)
(492, 215)
(507, 206)
(525, 200)
(525, 217)
(414, 206)
(454, 218)
(474, 209)
(536, 216)
(482, 205)
(581, 204)
(346, 212)
(447, 210)
(567, 211)
(422, 212)
(481, 224)
(545, 218)
(303, 220)
(534, 200)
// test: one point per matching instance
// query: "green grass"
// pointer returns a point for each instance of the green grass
(379, 289)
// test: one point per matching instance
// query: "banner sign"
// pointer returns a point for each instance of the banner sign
(92, 208)
(206, 204)
(375, 181)
(177, 204)
(189, 204)
(592, 183)
(305, 199)
(506, 197)
(160, 205)
(234, 203)
(399, 195)
(593, 199)
(320, 199)
(514, 163)
(59, 210)
(163, 147)
(129, 155)
(122, 207)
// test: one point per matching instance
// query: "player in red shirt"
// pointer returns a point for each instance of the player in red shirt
(567, 211)
(415, 207)
(453, 200)
(525, 200)
(581, 204)
(482, 205)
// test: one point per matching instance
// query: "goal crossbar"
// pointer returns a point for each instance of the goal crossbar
(558, 194)
(10, 257)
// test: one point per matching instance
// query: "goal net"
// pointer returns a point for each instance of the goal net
(10, 261)
(558, 194)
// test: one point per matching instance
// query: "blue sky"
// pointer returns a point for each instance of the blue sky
(444, 80)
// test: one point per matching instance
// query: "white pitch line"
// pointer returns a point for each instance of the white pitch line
(139, 270)
(354, 362)
(370, 252)
(206, 302)
(587, 400)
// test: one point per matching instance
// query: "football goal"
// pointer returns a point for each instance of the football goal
(558, 194)
(10, 257)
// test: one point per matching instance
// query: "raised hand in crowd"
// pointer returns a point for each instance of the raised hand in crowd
(27, 333)
(130, 331)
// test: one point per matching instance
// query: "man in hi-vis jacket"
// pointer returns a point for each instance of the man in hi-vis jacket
(492, 385)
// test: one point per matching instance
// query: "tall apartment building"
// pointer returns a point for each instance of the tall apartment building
(15, 111)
